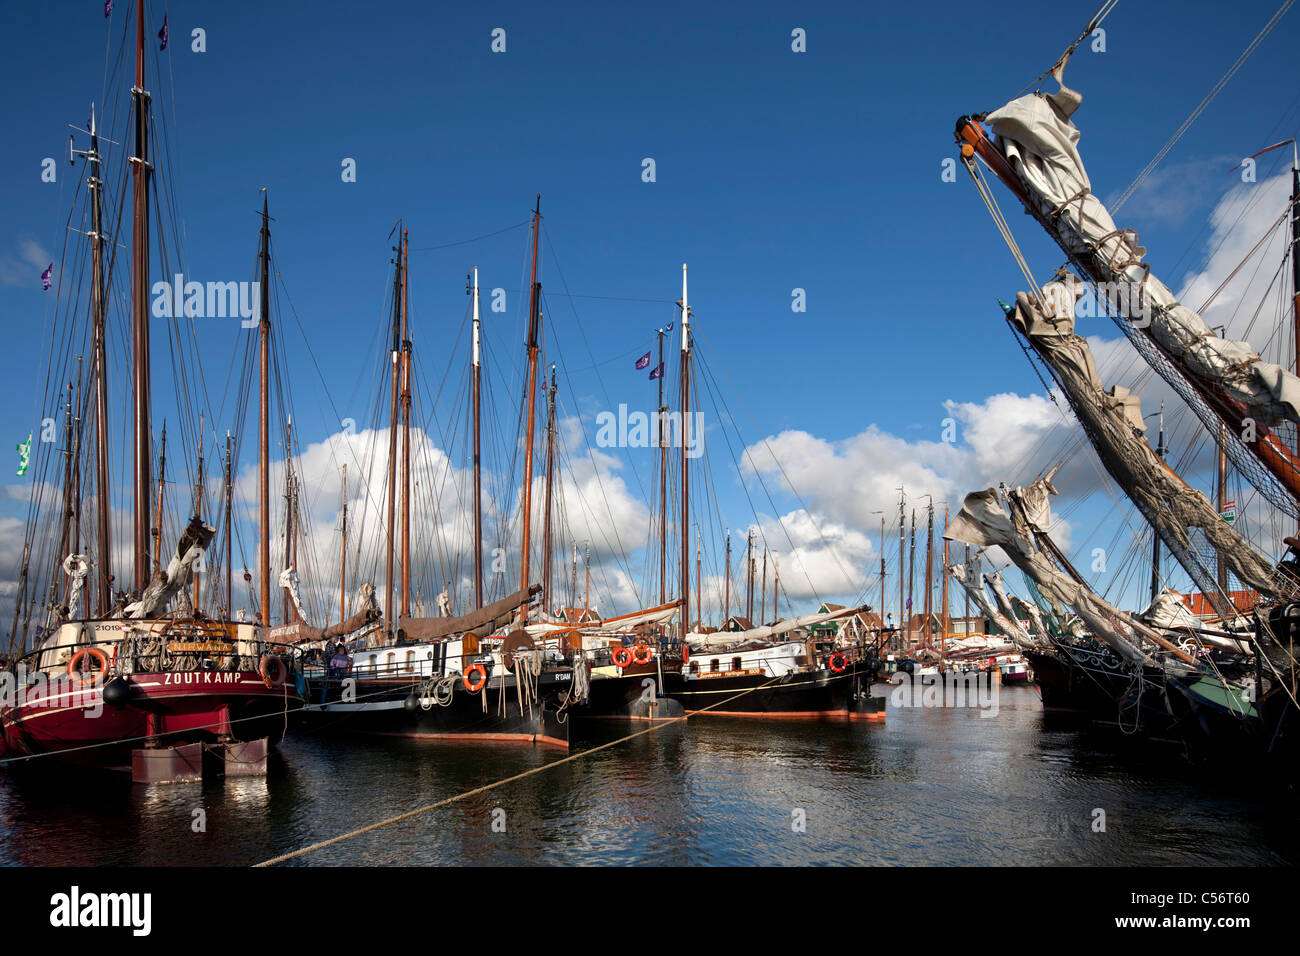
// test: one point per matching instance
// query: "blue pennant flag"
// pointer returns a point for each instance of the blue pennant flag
(657, 372)
(643, 361)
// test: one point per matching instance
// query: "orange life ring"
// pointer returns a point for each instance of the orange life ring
(475, 686)
(622, 657)
(838, 662)
(281, 672)
(643, 654)
(74, 664)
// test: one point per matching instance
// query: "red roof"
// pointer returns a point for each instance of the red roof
(1201, 606)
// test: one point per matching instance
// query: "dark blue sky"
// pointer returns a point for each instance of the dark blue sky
(775, 170)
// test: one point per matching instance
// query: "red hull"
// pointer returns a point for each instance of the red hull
(73, 721)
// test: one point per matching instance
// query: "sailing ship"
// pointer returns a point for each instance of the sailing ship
(146, 680)
(1225, 693)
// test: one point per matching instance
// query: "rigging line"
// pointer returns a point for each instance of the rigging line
(1195, 114)
(462, 242)
(654, 728)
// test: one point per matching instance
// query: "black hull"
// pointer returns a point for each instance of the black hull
(628, 697)
(811, 694)
(392, 707)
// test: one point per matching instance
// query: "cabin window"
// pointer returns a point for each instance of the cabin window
(713, 666)
(390, 662)
(410, 660)
(735, 663)
(373, 661)
(693, 667)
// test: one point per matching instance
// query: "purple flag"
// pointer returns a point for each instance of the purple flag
(162, 34)
(643, 361)
(657, 372)
(45, 277)
(108, 7)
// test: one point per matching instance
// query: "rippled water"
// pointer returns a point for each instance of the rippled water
(927, 787)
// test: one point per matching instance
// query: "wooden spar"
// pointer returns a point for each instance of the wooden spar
(685, 466)
(162, 471)
(762, 603)
(288, 611)
(1222, 486)
(882, 582)
(394, 375)
(1155, 534)
(776, 586)
(547, 604)
(534, 323)
(943, 574)
(140, 173)
(586, 591)
(902, 553)
(198, 505)
(911, 575)
(699, 586)
(966, 631)
(478, 475)
(406, 434)
(1295, 258)
(663, 480)
(264, 426)
(76, 468)
(343, 552)
(726, 597)
(65, 525)
(99, 372)
(926, 628)
(230, 612)
(1268, 447)
(749, 576)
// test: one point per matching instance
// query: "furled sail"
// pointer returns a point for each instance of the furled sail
(1114, 425)
(612, 625)
(484, 620)
(984, 523)
(1036, 135)
(968, 576)
(769, 631)
(167, 584)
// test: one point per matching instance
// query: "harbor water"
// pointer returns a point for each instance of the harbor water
(928, 786)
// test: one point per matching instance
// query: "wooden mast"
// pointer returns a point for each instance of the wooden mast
(198, 506)
(699, 583)
(762, 604)
(343, 552)
(162, 471)
(546, 521)
(478, 475)
(285, 604)
(749, 576)
(881, 610)
(726, 599)
(140, 175)
(394, 375)
(534, 333)
(230, 611)
(1295, 257)
(943, 574)
(902, 553)
(264, 425)
(406, 434)
(911, 575)
(686, 468)
(99, 371)
(929, 575)
(663, 480)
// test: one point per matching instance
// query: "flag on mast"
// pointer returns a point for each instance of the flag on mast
(46, 281)
(643, 361)
(162, 34)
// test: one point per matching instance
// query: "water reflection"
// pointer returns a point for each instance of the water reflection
(930, 786)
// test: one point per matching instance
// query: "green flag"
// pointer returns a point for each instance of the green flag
(24, 455)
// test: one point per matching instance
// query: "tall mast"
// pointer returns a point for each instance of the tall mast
(943, 576)
(550, 468)
(902, 554)
(478, 477)
(140, 174)
(1155, 534)
(99, 373)
(1222, 495)
(343, 552)
(929, 575)
(534, 332)
(726, 599)
(882, 580)
(394, 374)
(686, 468)
(586, 593)
(663, 479)
(406, 433)
(264, 425)
(749, 576)
(287, 609)
(198, 504)
(162, 472)
(65, 528)
(1295, 255)
(699, 579)
(230, 611)
(911, 576)
(762, 604)
(776, 586)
